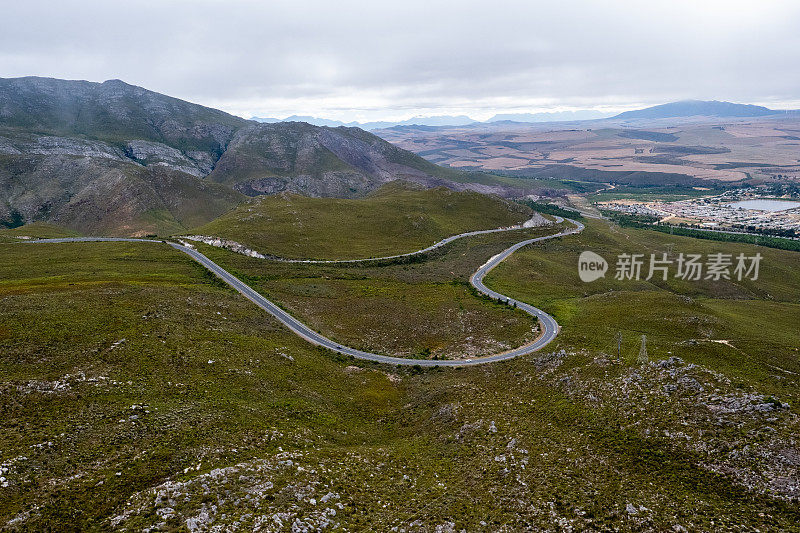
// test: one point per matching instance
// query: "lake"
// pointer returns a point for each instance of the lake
(765, 205)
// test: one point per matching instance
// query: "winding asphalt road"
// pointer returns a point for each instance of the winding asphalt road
(549, 325)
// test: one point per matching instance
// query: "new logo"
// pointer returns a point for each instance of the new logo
(591, 266)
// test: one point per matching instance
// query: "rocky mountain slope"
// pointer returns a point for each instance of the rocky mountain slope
(113, 111)
(113, 158)
(318, 161)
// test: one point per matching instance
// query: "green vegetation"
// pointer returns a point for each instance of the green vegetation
(543, 183)
(649, 222)
(633, 178)
(656, 193)
(448, 321)
(14, 220)
(410, 309)
(90, 330)
(628, 220)
(761, 240)
(395, 219)
(682, 318)
(36, 230)
(552, 209)
(126, 366)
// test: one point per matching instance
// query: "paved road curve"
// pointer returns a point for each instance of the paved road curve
(548, 323)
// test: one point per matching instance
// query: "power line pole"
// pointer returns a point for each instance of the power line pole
(619, 346)
(643, 351)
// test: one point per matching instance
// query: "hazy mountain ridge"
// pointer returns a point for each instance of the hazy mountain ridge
(445, 120)
(683, 108)
(438, 120)
(550, 116)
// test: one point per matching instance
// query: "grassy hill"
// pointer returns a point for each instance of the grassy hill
(395, 219)
(36, 230)
(422, 309)
(98, 196)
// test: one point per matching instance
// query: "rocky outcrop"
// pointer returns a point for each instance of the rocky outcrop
(106, 195)
(226, 244)
(151, 153)
(48, 145)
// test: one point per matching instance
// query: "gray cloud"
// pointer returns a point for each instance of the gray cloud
(374, 59)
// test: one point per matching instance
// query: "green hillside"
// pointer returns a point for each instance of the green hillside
(395, 219)
(36, 230)
(755, 319)
(139, 392)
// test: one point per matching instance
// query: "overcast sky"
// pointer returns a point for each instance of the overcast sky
(375, 59)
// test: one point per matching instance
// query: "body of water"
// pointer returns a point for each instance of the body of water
(765, 205)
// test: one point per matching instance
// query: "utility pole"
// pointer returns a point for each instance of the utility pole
(643, 351)
(619, 346)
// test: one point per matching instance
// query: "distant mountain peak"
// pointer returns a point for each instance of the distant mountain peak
(691, 108)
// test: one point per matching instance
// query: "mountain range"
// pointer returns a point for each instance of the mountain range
(445, 120)
(112, 158)
(117, 159)
(438, 120)
(681, 109)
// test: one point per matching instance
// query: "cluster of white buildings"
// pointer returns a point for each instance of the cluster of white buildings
(719, 212)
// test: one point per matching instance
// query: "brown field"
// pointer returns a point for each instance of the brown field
(719, 149)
